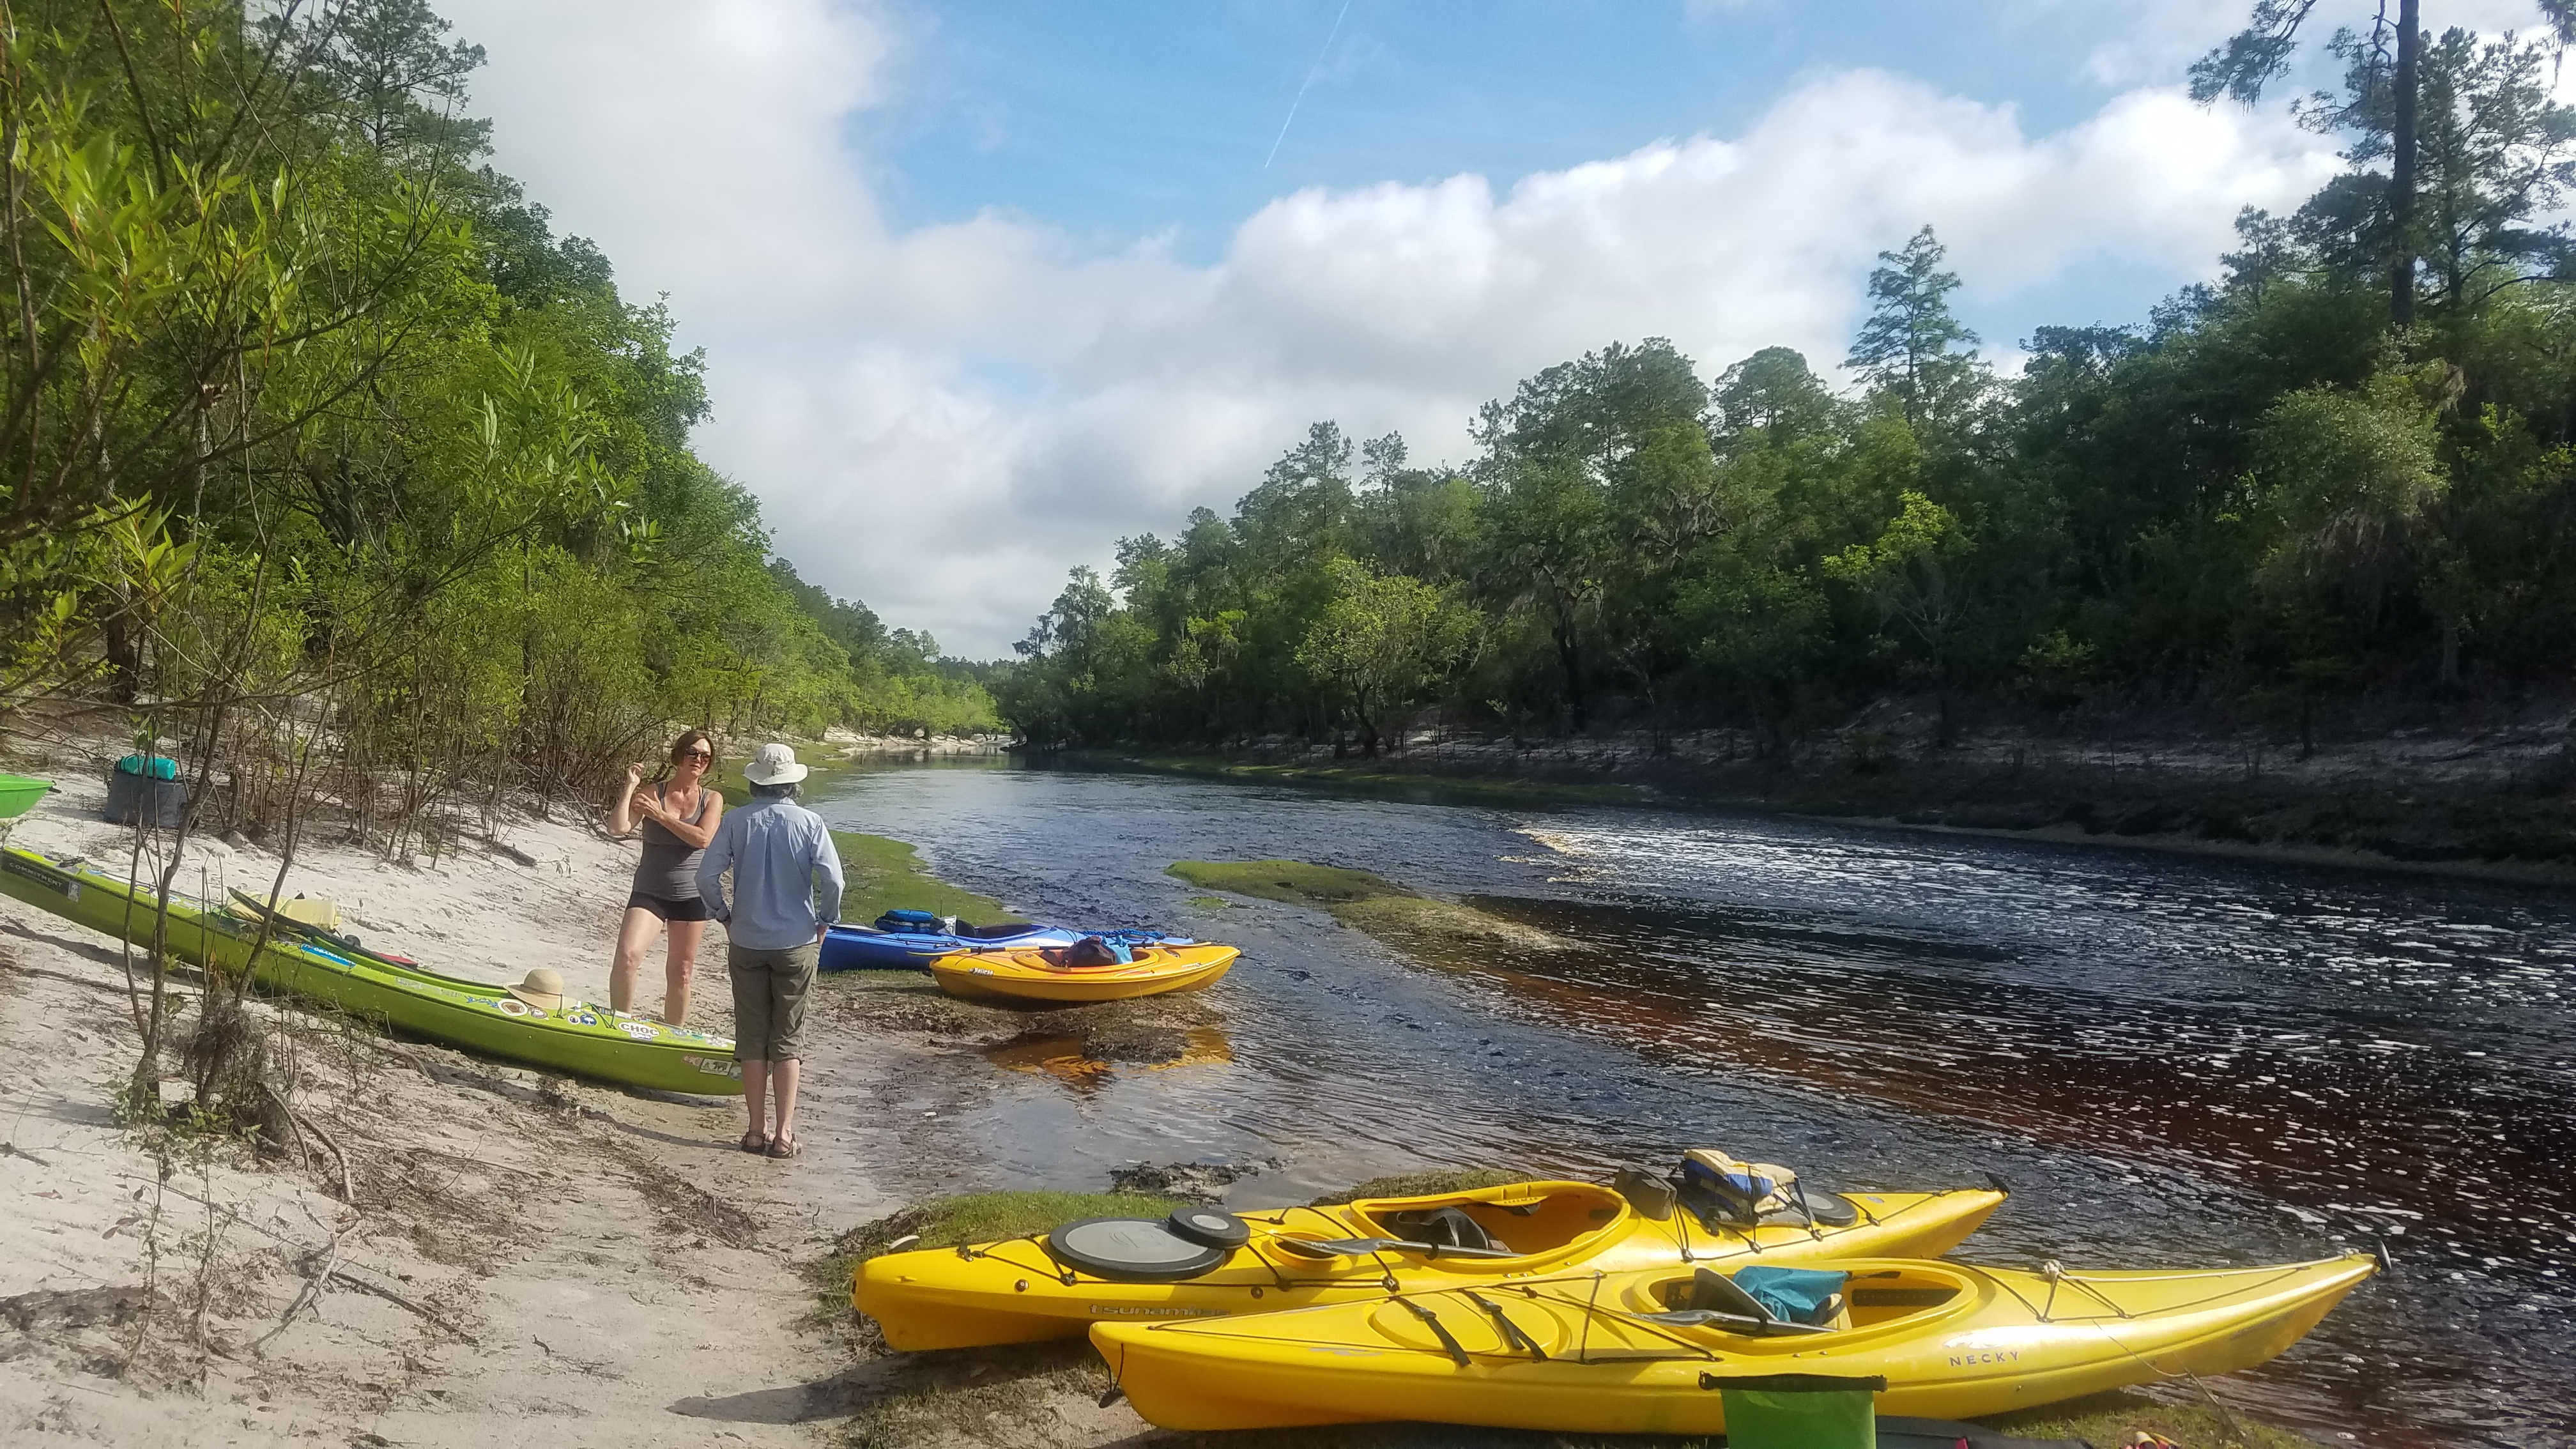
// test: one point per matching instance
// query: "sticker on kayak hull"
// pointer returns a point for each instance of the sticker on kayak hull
(43, 875)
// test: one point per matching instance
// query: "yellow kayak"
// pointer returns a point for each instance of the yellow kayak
(1050, 1286)
(1608, 1354)
(1039, 974)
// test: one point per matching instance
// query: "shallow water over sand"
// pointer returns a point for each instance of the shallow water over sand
(2174, 1061)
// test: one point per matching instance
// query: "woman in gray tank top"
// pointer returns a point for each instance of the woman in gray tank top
(676, 817)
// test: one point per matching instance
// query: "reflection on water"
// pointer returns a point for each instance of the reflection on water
(1088, 1063)
(2177, 1062)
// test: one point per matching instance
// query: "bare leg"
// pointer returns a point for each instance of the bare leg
(682, 967)
(755, 1082)
(634, 934)
(786, 1072)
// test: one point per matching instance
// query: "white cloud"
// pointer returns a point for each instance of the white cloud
(942, 420)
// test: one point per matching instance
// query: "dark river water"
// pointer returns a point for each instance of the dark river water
(2174, 1061)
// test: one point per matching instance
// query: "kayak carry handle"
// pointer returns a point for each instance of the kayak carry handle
(1794, 1383)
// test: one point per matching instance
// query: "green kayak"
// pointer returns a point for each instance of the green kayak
(478, 1016)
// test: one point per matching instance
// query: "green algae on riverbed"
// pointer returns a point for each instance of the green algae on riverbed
(887, 874)
(1367, 903)
(1296, 882)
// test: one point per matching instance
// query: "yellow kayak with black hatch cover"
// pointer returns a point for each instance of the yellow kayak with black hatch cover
(1054, 1285)
(1612, 1354)
(1041, 975)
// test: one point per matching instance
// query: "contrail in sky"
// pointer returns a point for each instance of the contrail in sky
(1312, 72)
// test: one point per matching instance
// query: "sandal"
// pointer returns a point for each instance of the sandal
(755, 1141)
(783, 1148)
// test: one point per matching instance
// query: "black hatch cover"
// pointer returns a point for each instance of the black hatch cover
(1131, 1250)
(1210, 1227)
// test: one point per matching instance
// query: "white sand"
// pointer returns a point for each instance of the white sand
(530, 1260)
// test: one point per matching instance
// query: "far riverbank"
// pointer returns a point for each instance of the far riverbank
(2492, 804)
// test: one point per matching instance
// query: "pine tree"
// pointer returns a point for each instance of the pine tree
(1905, 347)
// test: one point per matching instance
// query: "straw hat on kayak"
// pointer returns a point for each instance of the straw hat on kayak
(774, 765)
(543, 989)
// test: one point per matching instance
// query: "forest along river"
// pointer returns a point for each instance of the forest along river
(2174, 1061)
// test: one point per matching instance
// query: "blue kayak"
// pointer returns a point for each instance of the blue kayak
(911, 945)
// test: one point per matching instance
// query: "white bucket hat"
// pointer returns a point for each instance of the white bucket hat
(774, 765)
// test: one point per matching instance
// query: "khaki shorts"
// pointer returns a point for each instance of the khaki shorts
(769, 1000)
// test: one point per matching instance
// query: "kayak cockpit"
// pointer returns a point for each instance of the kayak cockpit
(1800, 1302)
(1523, 1220)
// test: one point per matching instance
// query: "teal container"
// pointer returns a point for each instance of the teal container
(19, 794)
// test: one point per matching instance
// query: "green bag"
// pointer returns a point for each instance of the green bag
(1799, 1411)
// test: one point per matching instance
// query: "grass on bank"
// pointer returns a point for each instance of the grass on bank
(1367, 903)
(2109, 1419)
(981, 1217)
(887, 874)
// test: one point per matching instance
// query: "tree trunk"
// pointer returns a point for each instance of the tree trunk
(2450, 655)
(124, 653)
(2401, 167)
(1569, 657)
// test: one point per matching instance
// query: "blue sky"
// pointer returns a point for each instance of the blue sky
(1120, 121)
(1115, 121)
(1001, 281)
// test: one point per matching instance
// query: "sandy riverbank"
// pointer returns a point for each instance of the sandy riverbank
(525, 1256)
